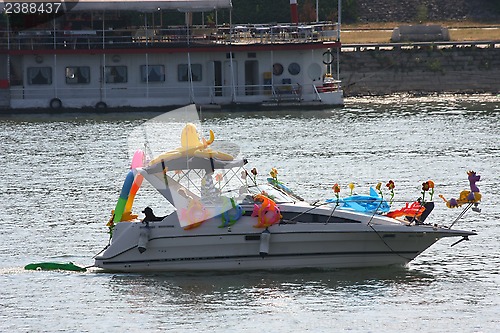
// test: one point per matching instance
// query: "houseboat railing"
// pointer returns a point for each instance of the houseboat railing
(140, 37)
(210, 93)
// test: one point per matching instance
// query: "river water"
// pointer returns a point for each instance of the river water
(62, 175)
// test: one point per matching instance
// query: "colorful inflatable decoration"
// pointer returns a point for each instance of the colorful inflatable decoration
(280, 186)
(195, 214)
(51, 266)
(126, 216)
(129, 189)
(391, 186)
(268, 213)
(122, 200)
(427, 186)
(273, 181)
(254, 174)
(138, 161)
(351, 187)
(191, 145)
(412, 211)
(133, 191)
(472, 196)
(231, 212)
(363, 203)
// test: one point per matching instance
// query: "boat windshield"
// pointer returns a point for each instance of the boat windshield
(276, 195)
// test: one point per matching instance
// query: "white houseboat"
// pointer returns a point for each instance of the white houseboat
(82, 59)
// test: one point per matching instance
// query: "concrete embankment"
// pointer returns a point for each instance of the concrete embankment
(380, 69)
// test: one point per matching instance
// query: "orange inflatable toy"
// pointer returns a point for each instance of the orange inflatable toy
(195, 214)
(268, 213)
(413, 210)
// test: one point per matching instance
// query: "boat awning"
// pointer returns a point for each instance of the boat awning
(150, 5)
(169, 187)
(194, 163)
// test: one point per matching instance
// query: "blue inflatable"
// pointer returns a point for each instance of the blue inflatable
(231, 212)
(363, 203)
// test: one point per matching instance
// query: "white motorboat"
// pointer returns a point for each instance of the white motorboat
(224, 219)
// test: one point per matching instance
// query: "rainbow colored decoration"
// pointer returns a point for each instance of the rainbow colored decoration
(130, 187)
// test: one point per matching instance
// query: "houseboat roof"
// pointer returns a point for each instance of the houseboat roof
(147, 5)
(144, 5)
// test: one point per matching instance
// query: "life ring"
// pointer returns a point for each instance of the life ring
(55, 103)
(328, 57)
(101, 105)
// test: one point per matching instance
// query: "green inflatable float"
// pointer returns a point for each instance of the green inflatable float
(51, 266)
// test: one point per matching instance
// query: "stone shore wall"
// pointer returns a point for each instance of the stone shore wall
(426, 10)
(420, 69)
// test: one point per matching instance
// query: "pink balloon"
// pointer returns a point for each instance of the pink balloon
(137, 160)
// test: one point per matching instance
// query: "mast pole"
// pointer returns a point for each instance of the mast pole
(338, 39)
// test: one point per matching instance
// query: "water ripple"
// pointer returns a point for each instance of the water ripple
(62, 175)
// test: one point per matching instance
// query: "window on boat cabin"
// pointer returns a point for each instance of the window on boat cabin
(115, 74)
(152, 73)
(77, 75)
(39, 75)
(182, 72)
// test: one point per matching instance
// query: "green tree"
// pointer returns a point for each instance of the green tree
(265, 11)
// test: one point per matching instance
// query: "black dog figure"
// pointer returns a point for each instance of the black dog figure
(150, 216)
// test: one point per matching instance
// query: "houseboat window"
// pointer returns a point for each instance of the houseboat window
(39, 75)
(277, 69)
(294, 68)
(115, 74)
(77, 74)
(182, 72)
(155, 73)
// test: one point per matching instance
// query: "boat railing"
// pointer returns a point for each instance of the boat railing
(140, 37)
(212, 94)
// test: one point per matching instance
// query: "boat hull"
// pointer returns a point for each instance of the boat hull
(293, 246)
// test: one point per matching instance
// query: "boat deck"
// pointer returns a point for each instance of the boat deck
(148, 37)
